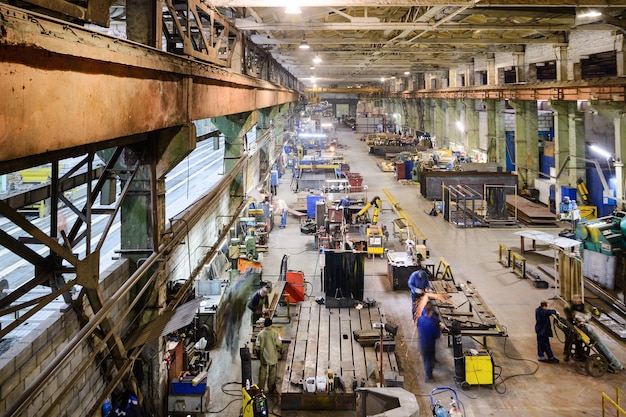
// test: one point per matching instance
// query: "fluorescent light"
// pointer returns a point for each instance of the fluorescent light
(304, 45)
(600, 151)
(407, 72)
(590, 13)
(292, 10)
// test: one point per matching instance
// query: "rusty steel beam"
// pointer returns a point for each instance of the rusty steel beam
(605, 90)
(64, 86)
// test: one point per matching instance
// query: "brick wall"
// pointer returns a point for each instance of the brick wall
(28, 357)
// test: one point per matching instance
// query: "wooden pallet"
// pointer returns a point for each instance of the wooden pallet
(324, 340)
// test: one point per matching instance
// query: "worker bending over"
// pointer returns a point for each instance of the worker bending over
(419, 285)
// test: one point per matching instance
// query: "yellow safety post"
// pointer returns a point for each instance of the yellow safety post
(502, 249)
(521, 268)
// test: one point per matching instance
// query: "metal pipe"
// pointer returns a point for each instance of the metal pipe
(25, 399)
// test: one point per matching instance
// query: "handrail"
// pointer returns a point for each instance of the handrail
(616, 404)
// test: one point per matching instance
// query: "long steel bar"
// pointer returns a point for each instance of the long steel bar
(109, 76)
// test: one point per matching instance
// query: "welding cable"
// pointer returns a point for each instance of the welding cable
(503, 380)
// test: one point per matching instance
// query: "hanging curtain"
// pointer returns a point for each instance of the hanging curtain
(344, 274)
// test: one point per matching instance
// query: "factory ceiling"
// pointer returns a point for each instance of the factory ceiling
(359, 43)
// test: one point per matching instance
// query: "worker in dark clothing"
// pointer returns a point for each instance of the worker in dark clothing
(418, 284)
(543, 328)
(258, 304)
(428, 330)
(344, 204)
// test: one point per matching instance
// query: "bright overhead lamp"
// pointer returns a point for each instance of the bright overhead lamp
(598, 150)
(292, 10)
(304, 45)
(317, 59)
(407, 72)
(589, 13)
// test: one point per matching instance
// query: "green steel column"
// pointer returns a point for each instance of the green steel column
(440, 122)
(456, 119)
(496, 138)
(569, 139)
(427, 114)
(526, 142)
(234, 127)
(138, 209)
(471, 124)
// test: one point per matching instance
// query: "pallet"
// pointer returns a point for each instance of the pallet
(324, 340)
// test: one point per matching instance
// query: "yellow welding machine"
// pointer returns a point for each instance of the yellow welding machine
(478, 367)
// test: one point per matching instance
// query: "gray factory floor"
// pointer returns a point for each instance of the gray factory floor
(524, 387)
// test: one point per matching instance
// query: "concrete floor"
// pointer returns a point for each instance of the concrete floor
(523, 387)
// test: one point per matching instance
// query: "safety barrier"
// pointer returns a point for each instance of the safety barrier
(444, 271)
(502, 249)
(615, 404)
(518, 264)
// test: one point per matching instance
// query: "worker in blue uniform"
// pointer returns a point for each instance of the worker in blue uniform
(543, 328)
(419, 284)
(429, 330)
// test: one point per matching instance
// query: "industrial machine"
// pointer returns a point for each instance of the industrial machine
(360, 217)
(605, 234)
(585, 346)
(253, 400)
(375, 241)
(479, 369)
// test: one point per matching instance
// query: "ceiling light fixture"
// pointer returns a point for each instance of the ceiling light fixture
(304, 45)
(292, 10)
(590, 13)
(317, 59)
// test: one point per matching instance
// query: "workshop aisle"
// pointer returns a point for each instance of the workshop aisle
(529, 388)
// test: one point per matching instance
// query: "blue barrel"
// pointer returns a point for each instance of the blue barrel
(408, 165)
(311, 202)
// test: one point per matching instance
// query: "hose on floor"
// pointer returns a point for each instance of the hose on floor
(500, 387)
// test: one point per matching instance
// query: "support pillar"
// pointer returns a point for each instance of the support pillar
(620, 47)
(472, 130)
(427, 114)
(617, 113)
(526, 142)
(561, 62)
(235, 128)
(496, 137)
(440, 122)
(456, 117)
(492, 74)
(569, 139)
(520, 67)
